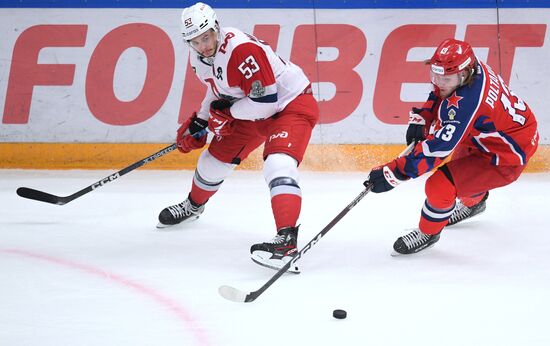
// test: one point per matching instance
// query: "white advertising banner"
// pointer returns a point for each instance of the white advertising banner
(122, 75)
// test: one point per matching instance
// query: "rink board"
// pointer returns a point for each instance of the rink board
(122, 75)
(93, 87)
(319, 157)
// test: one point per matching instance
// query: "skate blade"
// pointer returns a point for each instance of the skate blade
(294, 270)
(163, 227)
(397, 254)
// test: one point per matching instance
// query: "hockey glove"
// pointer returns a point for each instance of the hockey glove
(221, 121)
(417, 130)
(192, 134)
(384, 178)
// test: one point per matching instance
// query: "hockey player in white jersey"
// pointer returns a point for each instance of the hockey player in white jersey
(253, 97)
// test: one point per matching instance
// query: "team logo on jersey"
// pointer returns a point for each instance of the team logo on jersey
(452, 101)
(256, 89)
(452, 114)
(282, 134)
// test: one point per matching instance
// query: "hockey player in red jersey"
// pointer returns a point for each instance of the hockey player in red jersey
(472, 119)
(253, 97)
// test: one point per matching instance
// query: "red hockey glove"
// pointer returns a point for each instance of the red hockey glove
(189, 143)
(420, 120)
(417, 130)
(384, 178)
(191, 134)
(220, 121)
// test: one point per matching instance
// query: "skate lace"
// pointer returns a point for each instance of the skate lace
(278, 239)
(185, 208)
(461, 212)
(415, 238)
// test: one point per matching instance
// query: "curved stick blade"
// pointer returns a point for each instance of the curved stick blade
(233, 294)
(41, 196)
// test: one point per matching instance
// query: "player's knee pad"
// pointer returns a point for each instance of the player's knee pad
(440, 190)
(212, 170)
(281, 174)
(284, 186)
(280, 165)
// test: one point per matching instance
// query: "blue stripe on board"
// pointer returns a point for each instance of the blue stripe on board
(335, 4)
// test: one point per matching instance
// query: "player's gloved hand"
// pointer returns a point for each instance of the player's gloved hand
(192, 134)
(417, 130)
(221, 121)
(384, 178)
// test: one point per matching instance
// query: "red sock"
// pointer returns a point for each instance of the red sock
(286, 209)
(439, 204)
(431, 227)
(200, 196)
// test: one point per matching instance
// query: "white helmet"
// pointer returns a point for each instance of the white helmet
(196, 20)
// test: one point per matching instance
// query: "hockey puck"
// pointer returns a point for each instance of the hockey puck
(339, 314)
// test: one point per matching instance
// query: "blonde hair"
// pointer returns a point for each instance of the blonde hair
(470, 77)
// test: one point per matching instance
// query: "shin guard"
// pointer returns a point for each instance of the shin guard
(439, 204)
(202, 190)
(286, 201)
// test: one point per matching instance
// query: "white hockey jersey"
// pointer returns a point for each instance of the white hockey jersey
(246, 71)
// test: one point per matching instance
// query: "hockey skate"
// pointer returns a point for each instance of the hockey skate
(463, 212)
(414, 242)
(175, 214)
(278, 251)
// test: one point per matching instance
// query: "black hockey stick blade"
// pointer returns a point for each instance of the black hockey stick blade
(41, 196)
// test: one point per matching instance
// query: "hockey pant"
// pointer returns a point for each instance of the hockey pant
(468, 177)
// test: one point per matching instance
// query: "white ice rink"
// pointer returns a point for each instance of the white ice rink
(97, 272)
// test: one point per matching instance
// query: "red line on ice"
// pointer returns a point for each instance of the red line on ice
(159, 298)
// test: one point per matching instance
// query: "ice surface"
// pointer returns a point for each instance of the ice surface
(97, 272)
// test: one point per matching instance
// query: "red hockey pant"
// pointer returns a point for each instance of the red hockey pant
(472, 176)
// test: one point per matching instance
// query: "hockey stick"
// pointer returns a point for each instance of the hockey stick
(41, 196)
(236, 295)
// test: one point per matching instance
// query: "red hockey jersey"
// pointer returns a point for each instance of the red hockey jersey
(485, 115)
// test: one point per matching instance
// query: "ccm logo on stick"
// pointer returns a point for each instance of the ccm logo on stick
(105, 181)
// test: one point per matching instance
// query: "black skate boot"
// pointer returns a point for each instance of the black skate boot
(463, 212)
(174, 214)
(278, 251)
(414, 242)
